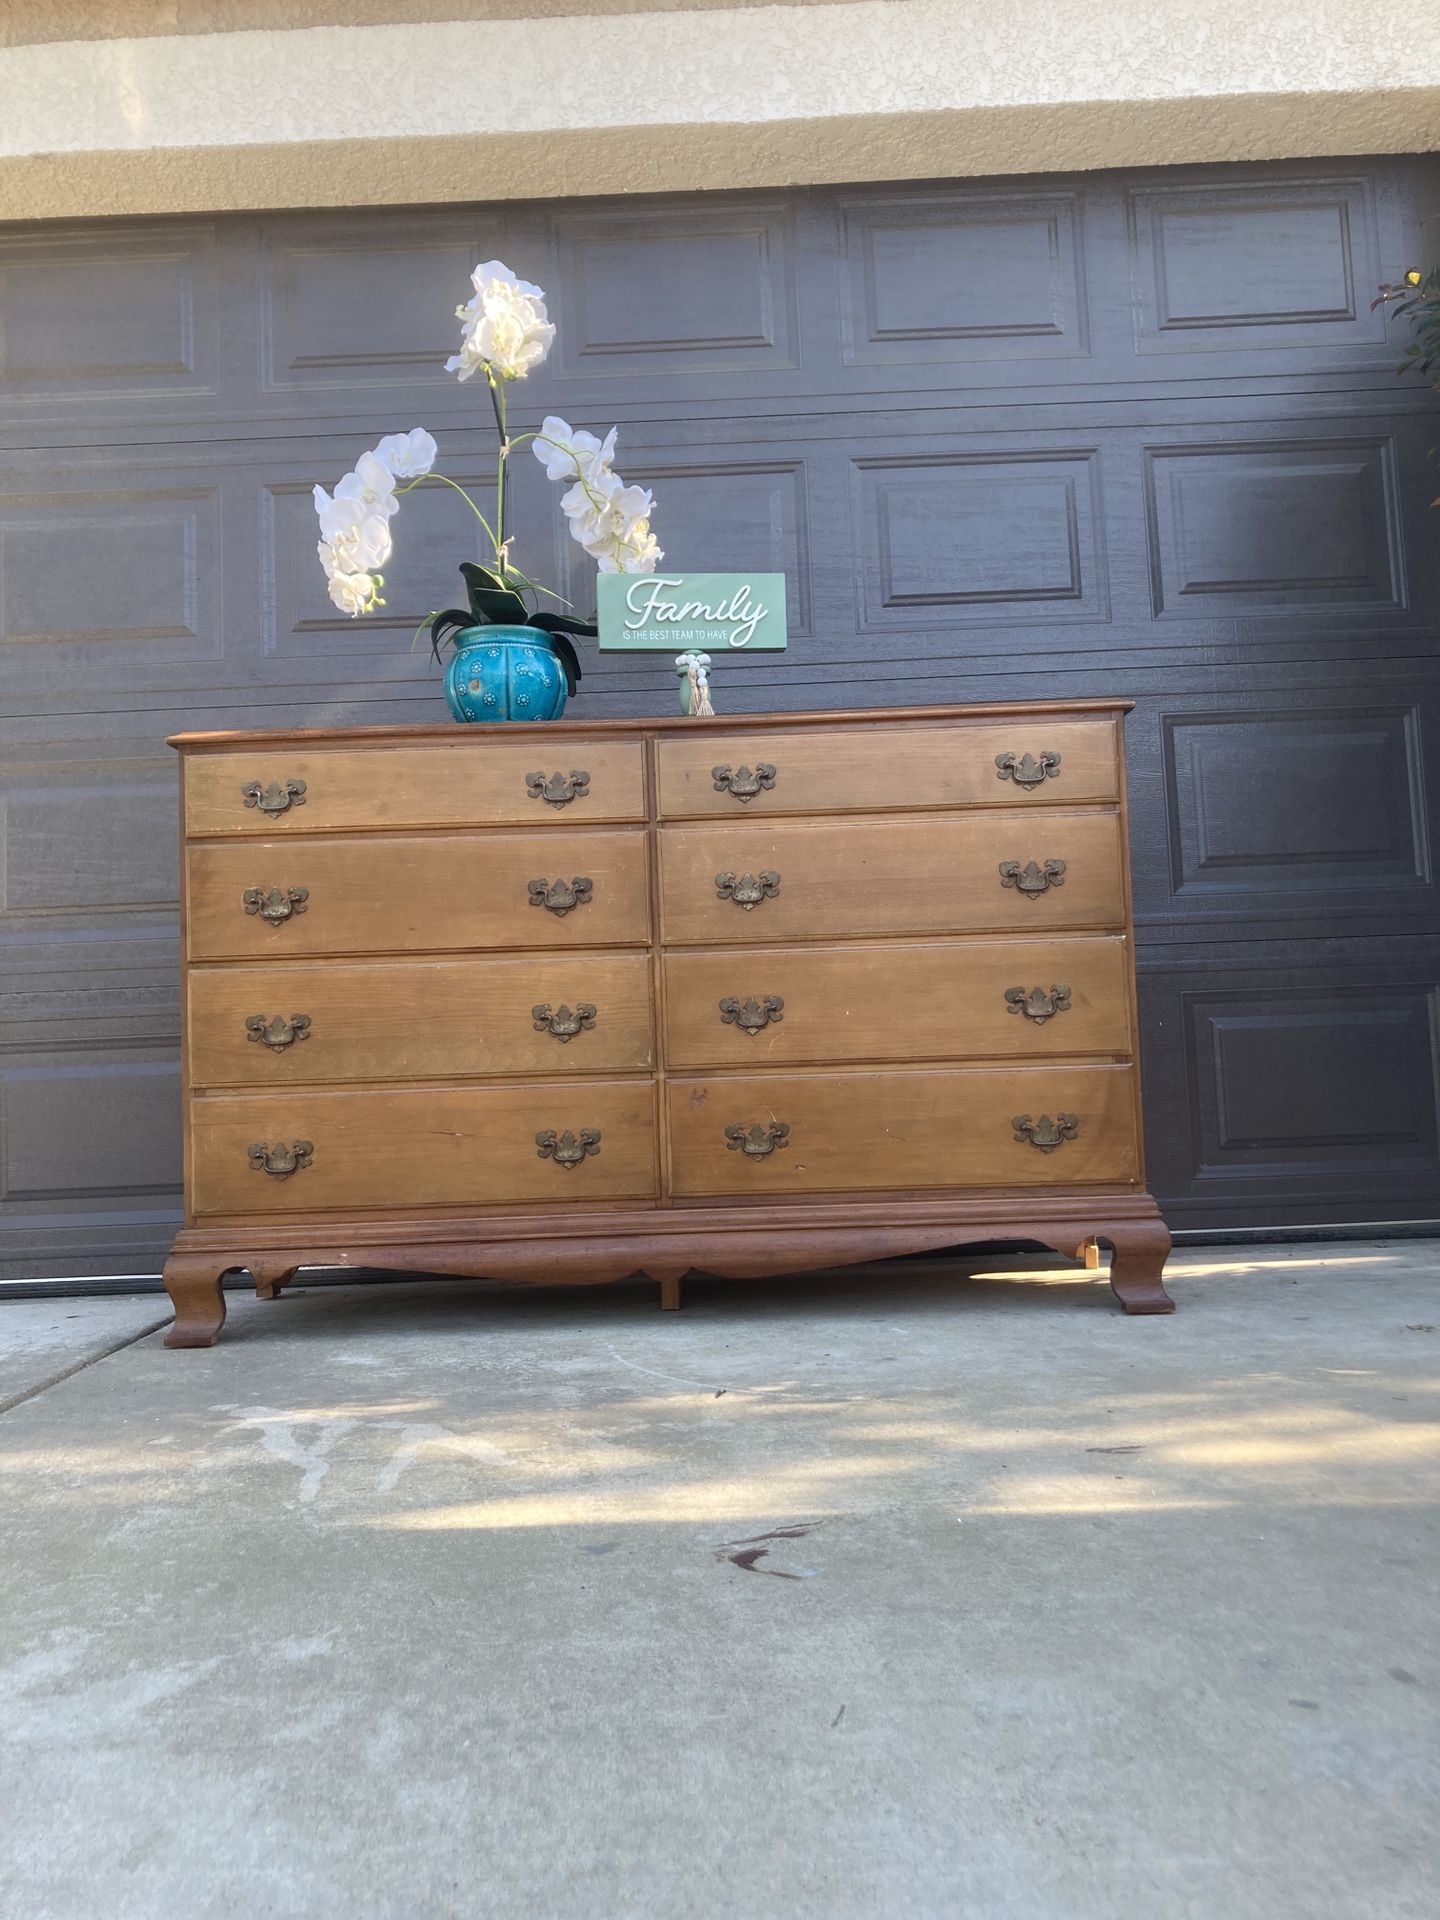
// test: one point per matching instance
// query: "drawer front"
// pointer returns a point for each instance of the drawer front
(970, 999)
(268, 1155)
(928, 873)
(872, 769)
(853, 1132)
(398, 895)
(474, 780)
(279, 1024)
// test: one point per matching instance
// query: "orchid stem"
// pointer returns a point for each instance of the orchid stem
(446, 481)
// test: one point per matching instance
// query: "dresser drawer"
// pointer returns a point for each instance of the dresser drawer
(285, 1024)
(854, 1132)
(455, 1147)
(961, 999)
(403, 895)
(884, 767)
(474, 780)
(752, 881)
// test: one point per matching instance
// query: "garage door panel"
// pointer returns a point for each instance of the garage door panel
(1301, 810)
(675, 290)
(1298, 525)
(1293, 1093)
(140, 309)
(349, 302)
(1272, 265)
(940, 278)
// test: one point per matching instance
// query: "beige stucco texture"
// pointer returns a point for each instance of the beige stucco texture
(515, 106)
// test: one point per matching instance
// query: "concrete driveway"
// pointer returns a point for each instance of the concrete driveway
(879, 1593)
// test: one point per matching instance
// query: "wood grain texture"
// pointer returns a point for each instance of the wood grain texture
(938, 1127)
(446, 1147)
(438, 783)
(419, 1019)
(897, 1000)
(408, 894)
(882, 768)
(920, 873)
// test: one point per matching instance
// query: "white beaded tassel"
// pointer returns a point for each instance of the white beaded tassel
(696, 668)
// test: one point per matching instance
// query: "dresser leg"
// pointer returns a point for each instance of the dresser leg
(193, 1284)
(270, 1276)
(669, 1287)
(1139, 1256)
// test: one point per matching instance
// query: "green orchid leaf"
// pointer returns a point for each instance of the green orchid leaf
(500, 607)
(491, 599)
(569, 659)
(446, 625)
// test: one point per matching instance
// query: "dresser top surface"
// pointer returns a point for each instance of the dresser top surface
(452, 733)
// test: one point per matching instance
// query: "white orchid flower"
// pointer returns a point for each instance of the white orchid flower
(565, 451)
(358, 549)
(504, 325)
(408, 456)
(354, 593)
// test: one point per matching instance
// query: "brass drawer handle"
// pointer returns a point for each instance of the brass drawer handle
(282, 1161)
(556, 897)
(275, 903)
(1037, 1005)
(758, 1140)
(276, 796)
(749, 889)
(742, 782)
(562, 1022)
(567, 1149)
(1029, 769)
(1032, 879)
(1045, 1133)
(279, 1033)
(751, 1015)
(560, 789)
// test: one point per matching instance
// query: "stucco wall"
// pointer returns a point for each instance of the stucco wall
(512, 105)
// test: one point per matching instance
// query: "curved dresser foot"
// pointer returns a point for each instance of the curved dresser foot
(1136, 1266)
(193, 1284)
(270, 1276)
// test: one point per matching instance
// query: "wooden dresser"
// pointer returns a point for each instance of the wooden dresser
(582, 1000)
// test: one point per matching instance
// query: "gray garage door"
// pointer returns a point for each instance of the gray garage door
(1101, 435)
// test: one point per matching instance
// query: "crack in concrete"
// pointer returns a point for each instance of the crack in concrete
(79, 1366)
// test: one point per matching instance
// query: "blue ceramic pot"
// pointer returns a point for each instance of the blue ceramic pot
(505, 673)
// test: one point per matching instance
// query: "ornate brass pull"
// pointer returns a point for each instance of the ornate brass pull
(1045, 1133)
(282, 1161)
(1029, 769)
(562, 1022)
(1032, 879)
(556, 897)
(279, 1033)
(276, 796)
(560, 789)
(568, 1149)
(749, 889)
(751, 1015)
(1037, 1005)
(758, 1140)
(742, 782)
(275, 903)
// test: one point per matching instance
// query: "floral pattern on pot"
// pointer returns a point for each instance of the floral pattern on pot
(504, 673)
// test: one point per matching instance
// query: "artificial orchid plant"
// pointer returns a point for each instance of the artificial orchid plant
(505, 332)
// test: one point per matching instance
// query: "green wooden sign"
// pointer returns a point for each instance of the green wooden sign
(711, 613)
